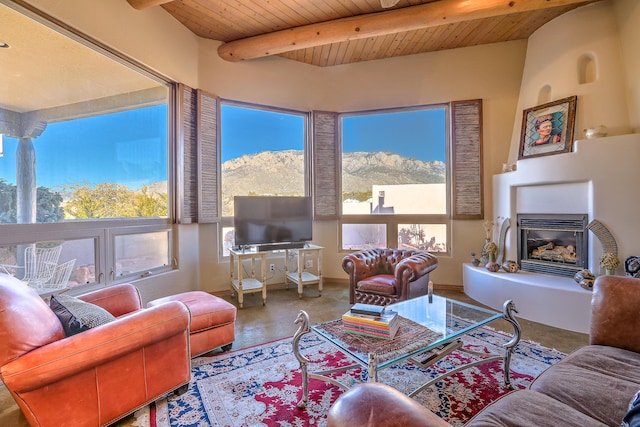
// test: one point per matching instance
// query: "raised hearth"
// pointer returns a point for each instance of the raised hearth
(551, 300)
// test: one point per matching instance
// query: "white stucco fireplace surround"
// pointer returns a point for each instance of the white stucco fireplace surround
(598, 178)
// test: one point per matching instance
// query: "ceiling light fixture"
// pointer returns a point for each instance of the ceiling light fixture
(4, 45)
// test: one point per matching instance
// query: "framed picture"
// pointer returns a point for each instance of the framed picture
(548, 129)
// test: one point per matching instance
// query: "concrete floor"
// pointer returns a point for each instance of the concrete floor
(257, 324)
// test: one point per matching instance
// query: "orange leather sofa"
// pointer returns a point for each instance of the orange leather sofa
(97, 376)
(385, 276)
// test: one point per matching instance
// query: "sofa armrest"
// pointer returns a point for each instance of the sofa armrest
(415, 266)
(378, 405)
(614, 312)
(92, 348)
(117, 300)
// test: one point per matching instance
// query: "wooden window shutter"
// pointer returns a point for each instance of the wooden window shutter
(186, 154)
(466, 153)
(208, 155)
(325, 165)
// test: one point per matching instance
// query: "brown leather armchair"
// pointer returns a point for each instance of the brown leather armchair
(385, 276)
(97, 376)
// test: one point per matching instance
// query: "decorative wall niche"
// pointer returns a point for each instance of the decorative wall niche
(587, 68)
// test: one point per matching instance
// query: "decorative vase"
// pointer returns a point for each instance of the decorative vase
(489, 249)
(510, 266)
(596, 132)
(492, 265)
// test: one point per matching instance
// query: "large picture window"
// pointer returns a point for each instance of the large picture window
(84, 159)
(395, 179)
(262, 153)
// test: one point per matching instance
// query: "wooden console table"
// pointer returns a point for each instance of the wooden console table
(240, 285)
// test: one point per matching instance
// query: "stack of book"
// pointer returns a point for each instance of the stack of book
(371, 320)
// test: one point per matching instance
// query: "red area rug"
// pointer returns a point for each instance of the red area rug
(260, 386)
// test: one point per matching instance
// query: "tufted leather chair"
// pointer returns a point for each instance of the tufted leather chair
(98, 376)
(385, 276)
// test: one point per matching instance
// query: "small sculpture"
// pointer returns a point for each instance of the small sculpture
(510, 266)
(632, 266)
(474, 261)
(493, 266)
(585, 279)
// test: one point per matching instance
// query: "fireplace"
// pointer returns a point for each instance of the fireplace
(554, 244)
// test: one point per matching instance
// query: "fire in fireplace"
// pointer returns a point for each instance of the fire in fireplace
(553, 243)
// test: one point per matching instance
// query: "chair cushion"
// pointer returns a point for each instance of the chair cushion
(606, 375)
(207, 311)
(381, 284)
(76, 315)
(530, 408)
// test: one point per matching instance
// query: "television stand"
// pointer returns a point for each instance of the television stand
(307, 254)
(254, 283)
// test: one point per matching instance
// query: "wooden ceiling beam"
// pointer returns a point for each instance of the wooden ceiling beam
(377, 24)
(145, 4)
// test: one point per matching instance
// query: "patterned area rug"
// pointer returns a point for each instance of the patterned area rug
(260, 386)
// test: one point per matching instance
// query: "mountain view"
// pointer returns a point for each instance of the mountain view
(259, 173)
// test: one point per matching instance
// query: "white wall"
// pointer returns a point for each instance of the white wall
(628, 16)
(552, 71)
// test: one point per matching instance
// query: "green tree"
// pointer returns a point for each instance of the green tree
(149, 203)
(105, 200)
(361, 196)
(7, 202)
(48, 204)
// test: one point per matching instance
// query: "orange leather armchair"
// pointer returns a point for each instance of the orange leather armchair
(98, 376)
(385, 276)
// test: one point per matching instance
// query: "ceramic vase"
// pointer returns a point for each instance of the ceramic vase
(484, 255)
(492, 265)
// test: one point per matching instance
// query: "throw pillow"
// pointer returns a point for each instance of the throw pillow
(76, 315)
(632, 417)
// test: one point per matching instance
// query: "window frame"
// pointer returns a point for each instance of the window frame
(227, 221)
(393, 220)
(105, 230)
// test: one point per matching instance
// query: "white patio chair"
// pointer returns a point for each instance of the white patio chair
(59, 280)
(39, 265)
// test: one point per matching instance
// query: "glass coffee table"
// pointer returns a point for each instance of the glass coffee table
(431, 327)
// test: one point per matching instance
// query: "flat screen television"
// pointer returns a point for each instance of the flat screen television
(272, 220)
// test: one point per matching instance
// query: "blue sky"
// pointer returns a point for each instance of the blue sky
(247, 131)
(407, 133)
(404, 133)
(130, 147)
(126, 147)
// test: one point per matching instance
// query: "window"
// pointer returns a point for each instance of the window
(85, 155)
(262, 153)
(395, 179)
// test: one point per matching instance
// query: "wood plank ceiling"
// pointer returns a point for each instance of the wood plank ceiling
(333, 32)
